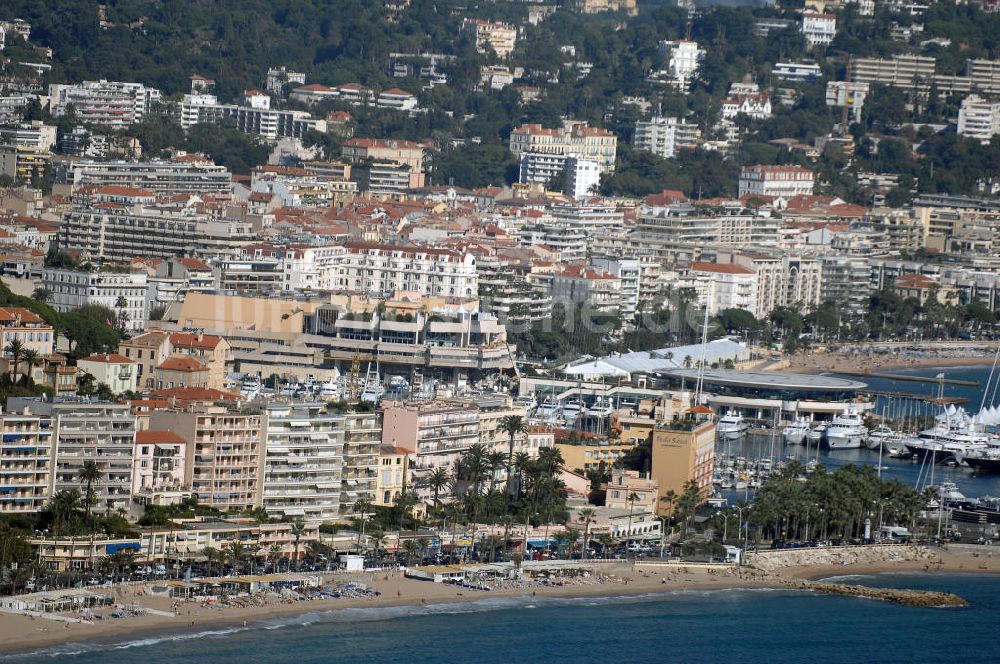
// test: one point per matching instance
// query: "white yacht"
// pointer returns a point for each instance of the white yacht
(953, 437)
(816, 434)
(846, 431)
(601, 408)
(796, 431)
(731, 426)
(328, 390)
(884, 437)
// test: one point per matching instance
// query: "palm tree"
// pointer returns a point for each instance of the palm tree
(586, 516)
(670, 498)
(495, 462)
(362, 506)
(632, 497)
(89, 473)
(550, 459)
(211, 555)
(64, 505)
(473, 464)
(15, 349)
(411, 548)
(31, 359)
(436, 481)
(298, 529)
(273, 554)
(236, 553)
(512, 425)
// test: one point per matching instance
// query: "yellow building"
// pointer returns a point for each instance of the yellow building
(390, 480)
(590, 455)
(680, 454)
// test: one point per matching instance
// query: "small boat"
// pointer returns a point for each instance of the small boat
(731, 426)
(795, 432)
(328, 389)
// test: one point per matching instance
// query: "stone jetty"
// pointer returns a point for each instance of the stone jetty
(902, 596)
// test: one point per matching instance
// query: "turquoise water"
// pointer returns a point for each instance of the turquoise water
(726, 626)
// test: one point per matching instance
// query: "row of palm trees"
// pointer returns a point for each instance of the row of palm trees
(19, 354)
(831, 505)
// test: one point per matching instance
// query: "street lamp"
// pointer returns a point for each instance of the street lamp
(663, 533)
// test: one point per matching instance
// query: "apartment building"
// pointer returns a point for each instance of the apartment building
(684, 58)
(574, 139)
(35, 135)
(279, 77)
(185, 174)
(410, 153)
(587, 287)
(120, 224)
(225, 451)
(362, 443)
(303, 462)
(116, 371)
(782, 279)
(384, 268)
(151, 350)
(797, 72)
(159, 462)
(682, 231)
(23, 325)
(783, 181)
(905, 71)
(72, 289)
(265, 122)
(490, 35)
(979, 118)
(599, 6)
(87, 431)
(23, 163)
(818, 29)
(110, 103)
(27, 460)
(721, 286)
(583, 177)
(847, 93)
(664, 136)
(434, 433)
(846, 280)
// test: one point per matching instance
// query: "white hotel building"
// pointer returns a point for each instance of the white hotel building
(381, 269)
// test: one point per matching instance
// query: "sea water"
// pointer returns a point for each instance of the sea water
(727, 626)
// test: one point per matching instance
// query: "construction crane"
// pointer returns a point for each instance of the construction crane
(354, 378)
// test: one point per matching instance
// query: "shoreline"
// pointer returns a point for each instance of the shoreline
(23, 635)
(866, 364)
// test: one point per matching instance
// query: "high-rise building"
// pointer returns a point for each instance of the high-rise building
(87, 431)
(27, 460)
(979, 118)
(304, 462)
(574, 139)
(110, 103)
(225, 451)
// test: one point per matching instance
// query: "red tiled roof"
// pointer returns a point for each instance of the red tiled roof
(721, 268)
(109, 358)
(188, 340)
(188, 364)
(154, 437)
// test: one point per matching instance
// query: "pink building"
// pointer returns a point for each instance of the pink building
(158, 461)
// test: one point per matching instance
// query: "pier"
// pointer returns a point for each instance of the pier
(911, 378)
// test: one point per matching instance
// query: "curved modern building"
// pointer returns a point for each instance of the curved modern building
(758, 394)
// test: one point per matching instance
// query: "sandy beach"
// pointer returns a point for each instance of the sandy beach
(25, 634)
(867, 363)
